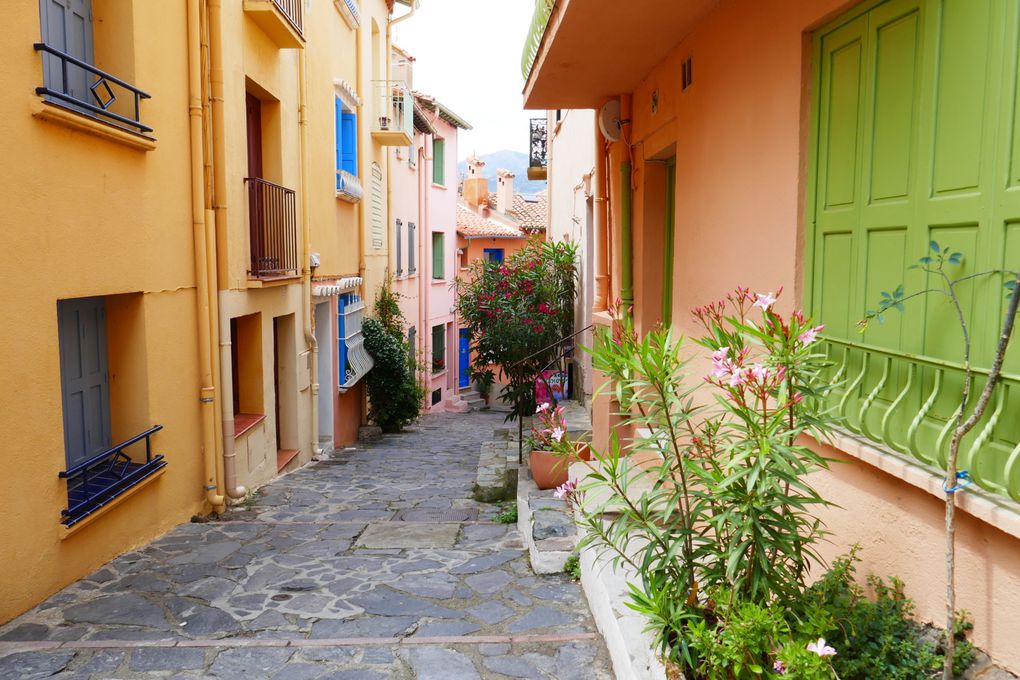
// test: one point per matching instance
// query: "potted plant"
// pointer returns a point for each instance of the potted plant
(552, 452)
(484, 380)
(384, 122)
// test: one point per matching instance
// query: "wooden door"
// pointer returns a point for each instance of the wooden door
(254, 121)
(84, 377)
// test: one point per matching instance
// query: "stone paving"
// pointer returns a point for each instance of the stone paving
(375, 564)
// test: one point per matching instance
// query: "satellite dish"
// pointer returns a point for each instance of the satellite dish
(609, 120)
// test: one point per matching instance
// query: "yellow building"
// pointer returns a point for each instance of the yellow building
(184, 173)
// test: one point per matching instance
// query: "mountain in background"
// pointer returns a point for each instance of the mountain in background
(514, 161)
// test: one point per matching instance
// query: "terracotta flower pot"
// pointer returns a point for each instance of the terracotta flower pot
(548, 469)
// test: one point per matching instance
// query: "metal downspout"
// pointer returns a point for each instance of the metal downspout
(626, 233)
(306, 272)
(207, 390)
(601, 226)
(231, 488)
(420, 255)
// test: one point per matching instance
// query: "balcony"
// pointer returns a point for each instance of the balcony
(82, 87)
(272, 230)
(96, 482)
(538, 143)
(281, 20)
(906, 403)
(394, 113)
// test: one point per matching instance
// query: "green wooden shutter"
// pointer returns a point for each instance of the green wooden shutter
(439, 161)
(915, 139)
(438, 257)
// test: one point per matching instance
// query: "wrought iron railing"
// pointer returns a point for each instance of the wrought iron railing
(292, 12)
(538, 143)
(907, 403)
(348, 186)
(539, 20)
(394, 107)
(354, 359)
(94, 482)
(101, 94)
(272, 225)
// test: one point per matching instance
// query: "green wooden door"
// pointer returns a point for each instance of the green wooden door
(914, 140)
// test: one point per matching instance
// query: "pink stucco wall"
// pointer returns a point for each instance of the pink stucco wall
(740, 138)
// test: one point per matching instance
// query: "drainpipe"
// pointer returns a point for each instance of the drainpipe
(207, 391)
(231, 488)
(306, 272)
(626, 236)
(601, 224)
(422, 189)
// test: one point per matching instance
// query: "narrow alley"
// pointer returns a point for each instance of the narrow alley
(374, 564)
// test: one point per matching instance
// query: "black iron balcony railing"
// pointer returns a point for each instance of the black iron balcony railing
(101, 95)
(272, 224)
(538, 142)
(94, 482)
(291, 9)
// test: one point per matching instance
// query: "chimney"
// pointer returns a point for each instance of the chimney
(476, 186)
(504, 190)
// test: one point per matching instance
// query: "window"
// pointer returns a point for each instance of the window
(438, 348)
(348, 186)
(438, 262)
(353, 360)
(412, 156)
(439, 162)
(398, 233)
(75, 30)
(412, 248)
(493, 255)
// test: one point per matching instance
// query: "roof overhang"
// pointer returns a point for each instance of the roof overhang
(593, 50)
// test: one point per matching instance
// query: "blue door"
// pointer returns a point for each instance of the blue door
(465, 358)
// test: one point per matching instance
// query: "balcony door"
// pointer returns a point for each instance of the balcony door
(67, 27)
(84, 377)
(254, 118)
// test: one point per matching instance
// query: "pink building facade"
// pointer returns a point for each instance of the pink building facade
(423, 257)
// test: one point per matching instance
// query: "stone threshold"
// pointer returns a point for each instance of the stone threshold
(226, 643)
(324, 523)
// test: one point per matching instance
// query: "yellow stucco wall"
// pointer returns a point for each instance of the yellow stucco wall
(87, 216)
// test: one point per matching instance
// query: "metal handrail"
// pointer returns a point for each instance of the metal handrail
(112, 451)
(919, 358)
(292, 11)
(103, 78)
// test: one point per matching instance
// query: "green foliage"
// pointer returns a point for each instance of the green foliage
(387, 310)
(729, 511)
(517, 312)
(572, 567)
(395, 393)
(507, 514)
(483, 378)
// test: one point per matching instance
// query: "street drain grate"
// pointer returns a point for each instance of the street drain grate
(435, 516)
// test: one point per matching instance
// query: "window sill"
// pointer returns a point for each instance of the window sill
(439, 281)
(993, 509)
(245, 422)
(440, 374)
(67, 532)
(69, 118)
(439, 186)
(269, 282)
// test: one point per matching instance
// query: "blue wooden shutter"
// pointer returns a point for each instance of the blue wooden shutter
(341, 343)
(84, 378)
(338, 108)
(349, 127)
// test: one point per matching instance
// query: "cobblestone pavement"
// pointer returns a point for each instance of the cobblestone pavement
(375, 564)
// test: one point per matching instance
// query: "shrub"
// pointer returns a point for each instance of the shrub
(395, 393)
(518, 311)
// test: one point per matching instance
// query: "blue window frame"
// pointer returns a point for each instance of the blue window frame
(346, 134)
(341, 339)
(493, 255)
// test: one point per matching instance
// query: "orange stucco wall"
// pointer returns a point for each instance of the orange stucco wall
(740, 138)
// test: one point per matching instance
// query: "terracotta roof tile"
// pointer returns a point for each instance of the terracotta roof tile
(471, 224)
(529, 213)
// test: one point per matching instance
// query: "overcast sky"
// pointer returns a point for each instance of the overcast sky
(468, 55)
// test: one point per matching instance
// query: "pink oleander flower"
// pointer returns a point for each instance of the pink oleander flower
(764, 301)
(820, 648)
(720, 362)
(760, 373)
(544, 407)
(566, 489)
(810, 335)
(738, 377)
(779, 667)
(557, 434)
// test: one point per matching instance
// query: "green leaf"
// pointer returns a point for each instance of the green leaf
(935, 246)
(925, 260)
(955, 258)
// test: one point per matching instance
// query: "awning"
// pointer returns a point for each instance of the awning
(345, 285)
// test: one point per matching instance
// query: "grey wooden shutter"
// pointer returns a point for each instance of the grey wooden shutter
(67, 26)
(84, 377)
(397, 258)
(412, 246)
